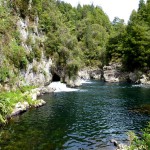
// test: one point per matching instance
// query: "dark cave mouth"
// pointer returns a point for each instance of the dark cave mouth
(55, 77)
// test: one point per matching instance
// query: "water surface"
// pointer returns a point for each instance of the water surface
(84, 119)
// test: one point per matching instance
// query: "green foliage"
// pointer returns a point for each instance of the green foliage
(16, 55)
(4, 73)
(21, 6)
(140, 144)
(130, 44)
(30, 56)
(37, 53)
(35, 70)
(72, 69)
(116, 40)
(9, 99)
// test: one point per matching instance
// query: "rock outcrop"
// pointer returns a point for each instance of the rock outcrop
(91, 73)
(21, 107)
(119, 146)
(37, 72)
(113, 73)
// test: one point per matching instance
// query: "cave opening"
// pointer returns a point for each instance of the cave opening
(55, 77)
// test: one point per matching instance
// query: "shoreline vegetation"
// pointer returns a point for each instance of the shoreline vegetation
(39, 39)
(19, 101)
(15, 102)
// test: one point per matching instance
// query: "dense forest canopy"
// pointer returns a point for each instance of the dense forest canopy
(75, 37)
(131, 44)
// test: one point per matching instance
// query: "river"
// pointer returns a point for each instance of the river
(85, 119)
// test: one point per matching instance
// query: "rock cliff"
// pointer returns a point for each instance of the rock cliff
(114, 73)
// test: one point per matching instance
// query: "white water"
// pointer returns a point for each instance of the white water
(141, 85)
(61, 87)
(85, 81)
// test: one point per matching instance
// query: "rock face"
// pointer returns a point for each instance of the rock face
(39, 77)
(145, 79)
(73, 82)
(91, 73)
(112, 73)
(37, 73)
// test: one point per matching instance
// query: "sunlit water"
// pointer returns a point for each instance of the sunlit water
(84, 119)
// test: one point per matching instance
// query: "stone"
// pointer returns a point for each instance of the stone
(39, 103)
(90, 73)
(19, 108)
(111, 74)
(144, 79)
(73, 82)
(114, 142)
(96, 74)
(133, 77)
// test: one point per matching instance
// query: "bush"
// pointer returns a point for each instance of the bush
(72, 69)
(140, 144)
(4, 73)
(9, 99)
(16, 54)
(37, 53)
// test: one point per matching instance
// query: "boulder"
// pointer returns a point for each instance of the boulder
(39, 103)
(144, 79)
(133, 77)
(112, 72)
(73, 82)
(90, 73)
(96, 74)
(19, 108)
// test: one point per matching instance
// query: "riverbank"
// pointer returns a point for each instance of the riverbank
(80, 119)
(18, 101)
(111, 73)
(114, 72)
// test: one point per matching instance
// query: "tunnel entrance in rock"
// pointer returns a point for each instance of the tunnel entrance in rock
(55, 77)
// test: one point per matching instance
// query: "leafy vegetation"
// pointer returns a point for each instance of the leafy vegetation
(9, 99)
(131, 43)
(73, 37)
(140, 144)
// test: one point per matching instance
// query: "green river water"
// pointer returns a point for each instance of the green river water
(79, 120)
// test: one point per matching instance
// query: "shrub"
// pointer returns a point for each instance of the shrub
(72, 68)
(37, 53)
(4, 73)
(16, 54)
(9, 99)
(140, 144)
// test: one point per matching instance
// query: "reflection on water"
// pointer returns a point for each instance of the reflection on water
(84, 119)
